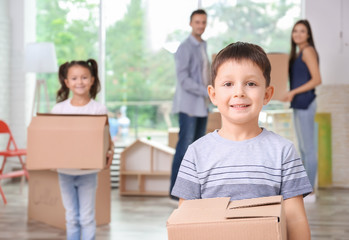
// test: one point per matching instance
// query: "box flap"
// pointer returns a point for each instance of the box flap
(196, 215)
(75, 115)
(253, 202)
(200, 211)
(255, 207)
(221, 203)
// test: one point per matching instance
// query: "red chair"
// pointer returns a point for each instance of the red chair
(11, 152)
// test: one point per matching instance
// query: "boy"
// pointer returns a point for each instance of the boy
(242, 160)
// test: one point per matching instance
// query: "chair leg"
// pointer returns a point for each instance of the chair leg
(22, 183)
(3, 165)
(24, 168)
(24, 174)
(3, 196)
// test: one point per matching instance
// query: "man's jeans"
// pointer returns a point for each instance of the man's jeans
(79, 196)
(190, 129)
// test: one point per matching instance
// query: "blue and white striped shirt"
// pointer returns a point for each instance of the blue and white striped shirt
(263, 166)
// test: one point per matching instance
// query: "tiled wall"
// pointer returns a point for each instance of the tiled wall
(334, 99)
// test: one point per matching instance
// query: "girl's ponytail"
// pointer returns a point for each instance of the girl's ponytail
(91, 65)
(96, 87)
(63, 92)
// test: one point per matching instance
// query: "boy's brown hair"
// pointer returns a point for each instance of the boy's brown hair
(242, 51)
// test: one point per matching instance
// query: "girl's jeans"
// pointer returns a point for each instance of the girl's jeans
(79, 196)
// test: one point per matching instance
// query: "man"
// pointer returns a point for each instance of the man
(191, 97)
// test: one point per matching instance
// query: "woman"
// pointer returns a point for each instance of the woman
(304, 77)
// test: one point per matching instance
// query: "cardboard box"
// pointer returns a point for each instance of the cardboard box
(220, 219)
(67, 141)
(45, 201)
(279, 74)
(173, 137)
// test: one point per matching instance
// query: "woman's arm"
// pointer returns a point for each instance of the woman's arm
(296, 218)
(310, 59)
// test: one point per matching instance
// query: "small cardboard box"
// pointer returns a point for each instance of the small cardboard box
(45, 201)
(220, 219)
(67, 141)
(173, 137)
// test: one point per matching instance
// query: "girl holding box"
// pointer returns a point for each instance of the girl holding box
(78, 187)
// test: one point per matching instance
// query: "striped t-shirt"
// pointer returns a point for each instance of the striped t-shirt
(265, 165)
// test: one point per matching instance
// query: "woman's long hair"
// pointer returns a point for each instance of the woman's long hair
(310, 40)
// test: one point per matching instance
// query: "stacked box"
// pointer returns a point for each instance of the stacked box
(65, 141)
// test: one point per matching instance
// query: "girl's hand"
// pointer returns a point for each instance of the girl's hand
(110, 156)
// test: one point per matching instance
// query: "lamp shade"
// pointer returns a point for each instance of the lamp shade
(40, 58)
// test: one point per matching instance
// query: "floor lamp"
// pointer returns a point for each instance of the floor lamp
(40, 58)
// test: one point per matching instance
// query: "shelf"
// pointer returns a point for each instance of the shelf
(145, 169)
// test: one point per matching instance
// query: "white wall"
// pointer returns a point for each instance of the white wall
(5, 58)
(17, 76)
(17, 14)
(330, 25)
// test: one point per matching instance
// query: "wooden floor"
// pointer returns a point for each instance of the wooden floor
(144, 218)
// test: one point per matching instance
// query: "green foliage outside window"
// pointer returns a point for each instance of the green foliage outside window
(135, 72)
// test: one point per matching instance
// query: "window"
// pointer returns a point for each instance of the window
(141, 37)
(267, 23)
(73, 27)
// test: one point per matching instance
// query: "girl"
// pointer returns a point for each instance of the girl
(304, 77)
(78, 187)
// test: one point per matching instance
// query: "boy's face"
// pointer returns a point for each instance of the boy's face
(240, 92)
